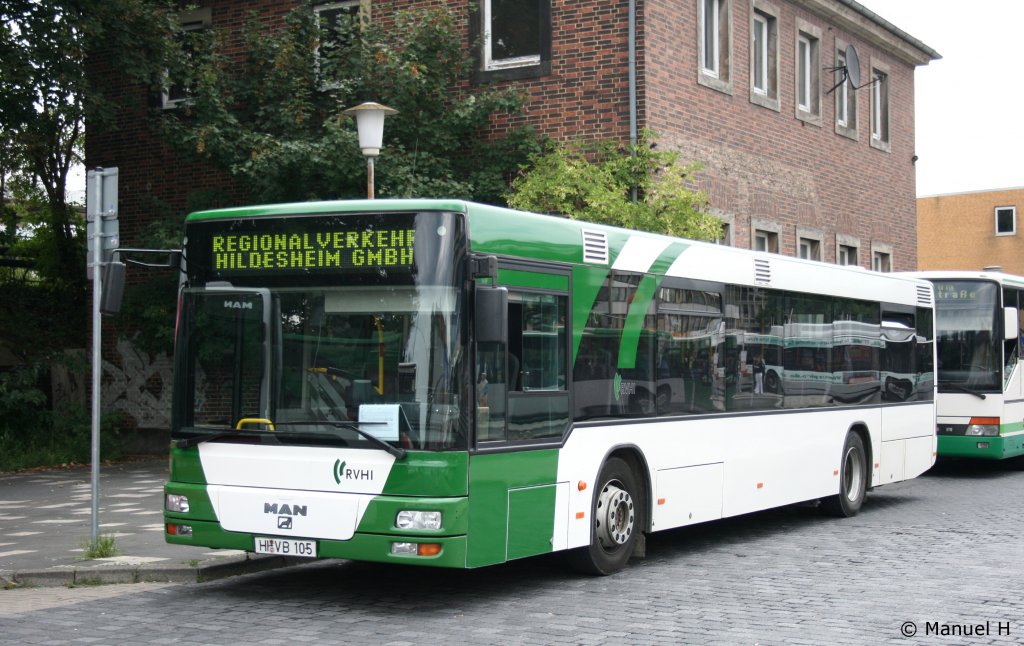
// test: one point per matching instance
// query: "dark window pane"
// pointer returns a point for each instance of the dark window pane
(515, 28)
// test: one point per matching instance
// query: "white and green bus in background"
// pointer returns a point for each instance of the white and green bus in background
(443, 383)
(980, 404)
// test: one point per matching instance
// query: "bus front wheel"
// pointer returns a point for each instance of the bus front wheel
(616, 518)
(853, 478)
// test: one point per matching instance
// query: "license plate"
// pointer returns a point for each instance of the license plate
(285, 547)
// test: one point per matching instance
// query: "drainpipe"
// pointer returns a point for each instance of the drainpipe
(632, 81)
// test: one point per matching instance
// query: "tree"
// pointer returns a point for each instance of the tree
(274, 119)
(41, 118)
(597, 182)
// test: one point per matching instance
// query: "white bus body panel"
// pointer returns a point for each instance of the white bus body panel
(703, 469)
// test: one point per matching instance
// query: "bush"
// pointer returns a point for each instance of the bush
(33, 435)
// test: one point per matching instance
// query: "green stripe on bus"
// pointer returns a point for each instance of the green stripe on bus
(429, 473)
(497, 482)
(535, 279)
(586, 284)
(641, 304)
(638, 309)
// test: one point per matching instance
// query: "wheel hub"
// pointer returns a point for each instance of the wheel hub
(615, 516)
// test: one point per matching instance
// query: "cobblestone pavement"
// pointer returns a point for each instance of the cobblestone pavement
(46, 516)
(939, 554)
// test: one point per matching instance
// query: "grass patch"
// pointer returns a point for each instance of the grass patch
(103, 547)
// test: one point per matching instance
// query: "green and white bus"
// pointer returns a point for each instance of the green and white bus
(443, 383)
(980, 405)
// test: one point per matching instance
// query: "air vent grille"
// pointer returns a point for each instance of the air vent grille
(595, 247)
(762, 271)
(924, 296)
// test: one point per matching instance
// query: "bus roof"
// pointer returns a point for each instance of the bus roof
(959, 274)
(533, 236)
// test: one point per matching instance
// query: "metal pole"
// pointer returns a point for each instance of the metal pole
(97, 354)
(369, 177)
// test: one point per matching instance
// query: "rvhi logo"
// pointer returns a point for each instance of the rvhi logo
(343, 473)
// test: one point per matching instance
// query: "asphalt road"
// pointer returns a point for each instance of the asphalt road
(937, 560)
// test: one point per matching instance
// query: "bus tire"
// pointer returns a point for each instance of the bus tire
(616, 520)
(853, 479)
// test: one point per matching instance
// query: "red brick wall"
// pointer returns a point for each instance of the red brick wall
(771, 166)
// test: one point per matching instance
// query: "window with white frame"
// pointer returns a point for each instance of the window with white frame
(879, 106)
(809, 249)
(714, 45)
(846, 96)
(846, 255)
(766, 241)
(515, 33)
(177, 85)
(808, 72)
(881, 261)
(764, 54)
(1006, 220)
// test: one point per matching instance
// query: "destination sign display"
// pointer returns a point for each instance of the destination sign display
(367, 248)
(960, 291)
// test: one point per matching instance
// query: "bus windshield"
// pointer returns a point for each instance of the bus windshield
(269, 358)
(968, 350)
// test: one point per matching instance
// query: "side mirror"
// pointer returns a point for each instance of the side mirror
(1011, 328)
(113, 288)
(491, 315)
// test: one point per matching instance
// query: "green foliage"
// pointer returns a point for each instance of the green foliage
(595, 182)
(274, 120)
(103, 547)
(31, 434)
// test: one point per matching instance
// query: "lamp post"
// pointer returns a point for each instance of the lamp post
(370, 123)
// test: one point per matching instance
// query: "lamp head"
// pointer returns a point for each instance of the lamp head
(370, 123)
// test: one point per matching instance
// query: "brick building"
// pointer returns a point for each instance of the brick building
(971, 231)
(797, 160)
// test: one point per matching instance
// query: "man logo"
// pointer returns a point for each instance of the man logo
(284, 522)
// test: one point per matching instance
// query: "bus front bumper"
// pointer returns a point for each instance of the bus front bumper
(361, 547)
(991, 448)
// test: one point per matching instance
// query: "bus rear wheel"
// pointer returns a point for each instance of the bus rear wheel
(616, 518)
(853, 480)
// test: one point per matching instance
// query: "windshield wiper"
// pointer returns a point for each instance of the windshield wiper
(396, 451)
(962, 389)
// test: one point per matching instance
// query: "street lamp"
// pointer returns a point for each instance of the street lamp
(370, 123)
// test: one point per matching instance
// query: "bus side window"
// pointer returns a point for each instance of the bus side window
(538, 402)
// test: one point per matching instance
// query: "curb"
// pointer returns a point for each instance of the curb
(113, 573)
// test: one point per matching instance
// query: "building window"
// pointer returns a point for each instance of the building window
(177, 84)
(846, 96)
(515, 37)
(846, 255)
(808, 73)
(336, 22)
(764, 55)
(766, 241)
(809, 249)
(714, 44)
(725, 237)
(879, 106)
(1006, 220)
(881, 261)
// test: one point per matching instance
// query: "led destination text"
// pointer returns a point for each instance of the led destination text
(314, 250)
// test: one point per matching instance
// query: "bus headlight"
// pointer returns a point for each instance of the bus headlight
(409, 519)
(177, 503)
(983, 427)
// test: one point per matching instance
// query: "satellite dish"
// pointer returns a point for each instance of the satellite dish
(852, 65)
